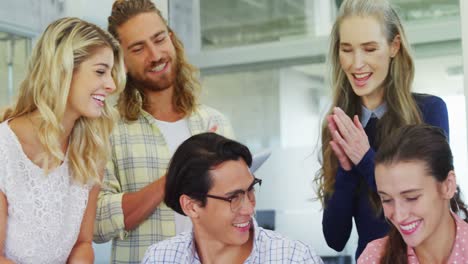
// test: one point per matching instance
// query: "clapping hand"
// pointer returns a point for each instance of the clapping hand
(349, 140)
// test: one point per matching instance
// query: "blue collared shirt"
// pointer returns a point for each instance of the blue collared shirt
(268, 247)
(367, 114)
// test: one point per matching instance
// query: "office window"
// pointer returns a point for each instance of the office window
(14, 52)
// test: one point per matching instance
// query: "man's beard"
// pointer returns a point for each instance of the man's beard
(165, 81)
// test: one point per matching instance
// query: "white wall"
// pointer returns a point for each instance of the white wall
(299, 100)
(464, 27)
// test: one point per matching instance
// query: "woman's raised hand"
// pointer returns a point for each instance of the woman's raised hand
(350, 142)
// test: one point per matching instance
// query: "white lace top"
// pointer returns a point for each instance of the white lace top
(44, 212)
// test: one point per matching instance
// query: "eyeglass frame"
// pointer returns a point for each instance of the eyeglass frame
(243, 192)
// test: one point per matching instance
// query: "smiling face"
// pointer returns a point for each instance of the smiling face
(91, 83)
(364, 56)
(149, 54)
(414, 202)
(216, 221)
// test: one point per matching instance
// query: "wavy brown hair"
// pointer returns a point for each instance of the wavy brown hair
(401, 106)
(61, 49)
(187, 85)
(429, 145)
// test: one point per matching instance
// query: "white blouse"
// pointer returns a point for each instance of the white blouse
(44, 211)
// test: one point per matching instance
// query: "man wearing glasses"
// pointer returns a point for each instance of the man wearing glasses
(209, 181)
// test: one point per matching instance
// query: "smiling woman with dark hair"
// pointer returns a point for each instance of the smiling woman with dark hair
(417, 186)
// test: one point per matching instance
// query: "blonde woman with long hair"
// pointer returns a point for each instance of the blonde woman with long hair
(371, 75)
(54, 144)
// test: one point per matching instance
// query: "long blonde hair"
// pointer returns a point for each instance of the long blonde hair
(187, 85)
(401, 106)
(63, 46)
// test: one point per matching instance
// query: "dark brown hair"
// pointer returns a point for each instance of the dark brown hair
(189, 169)
(417, 143)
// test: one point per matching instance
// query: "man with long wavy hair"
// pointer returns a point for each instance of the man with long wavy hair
(159, 110)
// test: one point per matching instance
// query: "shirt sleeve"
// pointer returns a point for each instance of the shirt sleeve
(310, 256)
(224, 127)
(150, 254)
(109, 221)
(366, 168)
(3, 169)
(212, 117)
(435, 113)
(373, 252)
(339, 207)
(169, 251)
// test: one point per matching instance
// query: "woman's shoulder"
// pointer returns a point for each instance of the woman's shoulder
(4, 127)
(373, 251)
(461, 223)
(208, 111)
(427, 99)
(5, 134)
(13, 133)
(7, 153)
(433, 109)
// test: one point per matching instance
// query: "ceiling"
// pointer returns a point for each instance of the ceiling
(226, 23)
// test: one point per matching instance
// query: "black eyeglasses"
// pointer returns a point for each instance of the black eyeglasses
(237, 199)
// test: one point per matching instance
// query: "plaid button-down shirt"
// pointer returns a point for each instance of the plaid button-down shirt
(268, 247)
(140, 156)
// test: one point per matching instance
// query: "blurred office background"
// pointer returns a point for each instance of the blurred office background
(263, 63)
